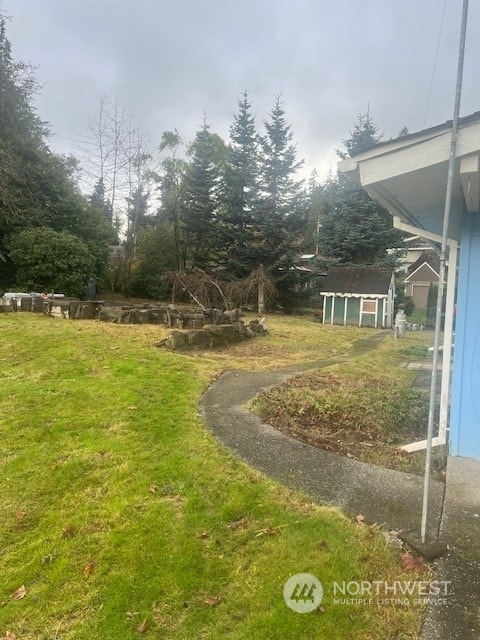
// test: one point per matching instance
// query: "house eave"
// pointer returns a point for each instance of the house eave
(408, 175)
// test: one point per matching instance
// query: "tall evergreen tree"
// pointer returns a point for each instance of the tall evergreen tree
(365, 134)
(200, 197)
(355, 228)
(239, 194)
(283, 208)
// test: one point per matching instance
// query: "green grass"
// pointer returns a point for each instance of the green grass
(117, 505)
(418, 316)
(415, 352)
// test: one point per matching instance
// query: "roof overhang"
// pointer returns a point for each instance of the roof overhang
(408, 176)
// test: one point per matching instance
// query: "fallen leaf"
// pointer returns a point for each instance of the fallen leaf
(360, 519)
(9, 636)
(212, 601)
(239, 523)
(153, 488)
(143, 626)
(131, 614)
(69, 532)
(412, 563)
(20, 515)
(20, 593)
(88, 569)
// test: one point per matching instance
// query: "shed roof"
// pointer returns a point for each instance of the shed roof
(360, 280)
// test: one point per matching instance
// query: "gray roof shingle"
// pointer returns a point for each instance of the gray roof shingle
(360, 280)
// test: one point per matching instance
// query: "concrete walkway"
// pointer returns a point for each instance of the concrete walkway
(383, 496)
(459, 619)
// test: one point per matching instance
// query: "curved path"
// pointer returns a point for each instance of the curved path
(387, 497)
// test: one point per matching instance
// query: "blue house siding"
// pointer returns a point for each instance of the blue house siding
(465, 412)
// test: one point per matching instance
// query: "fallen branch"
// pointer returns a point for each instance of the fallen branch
(273, 530)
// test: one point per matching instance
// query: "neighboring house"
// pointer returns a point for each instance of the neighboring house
(362, 296)
(421, 274)
(311, 270)
(408, 254)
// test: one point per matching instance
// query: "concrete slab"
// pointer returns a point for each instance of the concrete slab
(460, 530)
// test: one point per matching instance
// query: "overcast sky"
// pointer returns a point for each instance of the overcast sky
(169, 61)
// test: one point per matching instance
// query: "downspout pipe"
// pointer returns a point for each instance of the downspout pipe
(443, 259)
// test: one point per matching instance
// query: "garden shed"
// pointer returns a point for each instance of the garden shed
(361, 296)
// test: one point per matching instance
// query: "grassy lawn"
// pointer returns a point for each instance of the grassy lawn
(121, 517)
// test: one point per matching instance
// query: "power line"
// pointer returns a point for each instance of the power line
(435, 64)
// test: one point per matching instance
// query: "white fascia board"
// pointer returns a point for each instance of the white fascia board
(354, 295)
(415, 157)
(401, 157)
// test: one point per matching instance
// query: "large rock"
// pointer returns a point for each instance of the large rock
(211, 336)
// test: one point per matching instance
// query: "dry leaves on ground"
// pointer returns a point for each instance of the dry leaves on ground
(20, 593)
(143, 626)
(413, 563)
(69, 532)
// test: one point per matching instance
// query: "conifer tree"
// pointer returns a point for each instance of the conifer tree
(239, 193)
(355, 228)
(283, 209)
(364, 135)
(200, 198)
